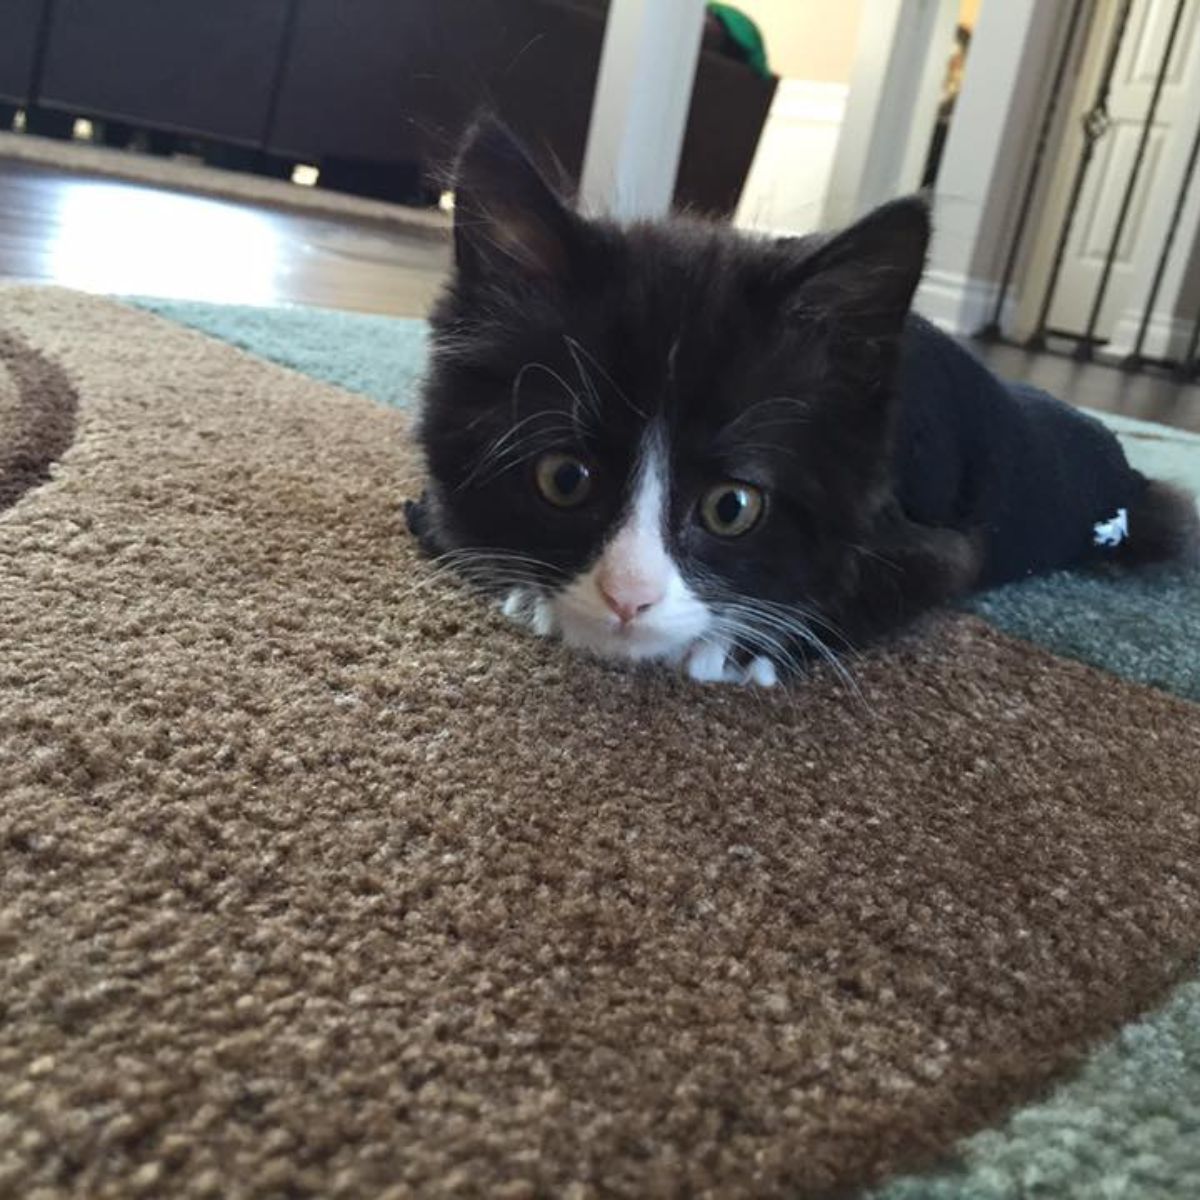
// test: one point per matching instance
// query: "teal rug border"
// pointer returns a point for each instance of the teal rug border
(376, 356)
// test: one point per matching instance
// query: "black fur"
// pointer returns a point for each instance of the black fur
(899, 472)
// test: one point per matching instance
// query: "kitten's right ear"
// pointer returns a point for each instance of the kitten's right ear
(508, 222)
(865, 276)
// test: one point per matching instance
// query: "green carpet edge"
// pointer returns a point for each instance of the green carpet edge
(376, 356)
(1126, 1125)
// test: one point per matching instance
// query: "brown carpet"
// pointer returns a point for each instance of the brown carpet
(318, 880)
(190, 176)
(37, 419)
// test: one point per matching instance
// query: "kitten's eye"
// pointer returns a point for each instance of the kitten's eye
(563, 480)
(731, 509)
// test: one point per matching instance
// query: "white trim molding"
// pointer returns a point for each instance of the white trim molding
(959, 304)
(1167, 336)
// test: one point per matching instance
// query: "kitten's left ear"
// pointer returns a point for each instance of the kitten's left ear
(508, 221)
(866, 276)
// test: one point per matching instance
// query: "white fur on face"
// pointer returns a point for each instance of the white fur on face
(634, 603)
(650, 610)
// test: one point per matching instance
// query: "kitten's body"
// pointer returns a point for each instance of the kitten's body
(1031, 475)
(601, 400)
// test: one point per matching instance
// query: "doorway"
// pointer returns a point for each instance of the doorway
(1118, 184)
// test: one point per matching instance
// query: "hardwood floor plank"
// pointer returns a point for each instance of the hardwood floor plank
(105, 235)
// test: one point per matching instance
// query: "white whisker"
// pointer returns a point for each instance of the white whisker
(580, 349)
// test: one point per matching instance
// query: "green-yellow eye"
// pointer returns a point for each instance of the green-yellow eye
(563, 479)
(731, 508)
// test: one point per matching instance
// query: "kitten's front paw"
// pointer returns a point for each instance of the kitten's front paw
(526, 608)
(761, 671)
(710, 662)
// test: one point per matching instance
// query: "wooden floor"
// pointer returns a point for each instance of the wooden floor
(1148, 395)
(121, 238)
(105, 235)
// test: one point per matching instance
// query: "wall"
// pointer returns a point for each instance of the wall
(785, 190)
(812, 44)
(815, 39)
(808, 39)
(968, 14)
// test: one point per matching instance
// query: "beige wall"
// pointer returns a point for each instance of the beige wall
(968, 13)
(815, 39)
(808, 39)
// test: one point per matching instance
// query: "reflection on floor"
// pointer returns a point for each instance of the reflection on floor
(110, 236)
(105, 235)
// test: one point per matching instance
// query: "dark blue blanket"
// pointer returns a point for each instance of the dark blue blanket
(1032, 475)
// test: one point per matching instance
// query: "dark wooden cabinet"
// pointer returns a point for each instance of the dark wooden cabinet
(20, 22)
(388, 84)
(380, 80)
(362, 77)
(387, 81)
(205, 68)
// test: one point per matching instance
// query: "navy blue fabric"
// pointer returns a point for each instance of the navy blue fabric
(1027, 472)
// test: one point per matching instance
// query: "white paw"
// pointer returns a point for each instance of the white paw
(709, 662)
(513, 605)
(761, 671)
(528, 609)
(542, 619)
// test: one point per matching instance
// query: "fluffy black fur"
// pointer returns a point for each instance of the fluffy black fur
(899, 472)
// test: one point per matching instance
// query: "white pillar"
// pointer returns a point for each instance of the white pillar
(984, 166)
(904, 48)
(643, 93)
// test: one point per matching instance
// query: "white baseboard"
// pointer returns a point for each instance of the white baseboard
(1167, 336)
(959, 304)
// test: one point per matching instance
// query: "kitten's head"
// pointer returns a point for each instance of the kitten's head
(664, 440)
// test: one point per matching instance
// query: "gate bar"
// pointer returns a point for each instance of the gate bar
(1134, 359)
(1095, 125)
(992, 331)
(1084, 349)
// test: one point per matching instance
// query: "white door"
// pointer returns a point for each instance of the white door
(1099, 206)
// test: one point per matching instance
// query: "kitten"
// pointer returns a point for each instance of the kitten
(672, 442)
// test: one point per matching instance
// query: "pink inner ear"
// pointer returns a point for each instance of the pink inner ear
(508, 218)
(534, 247)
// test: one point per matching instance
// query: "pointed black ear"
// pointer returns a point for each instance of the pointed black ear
(864, 277)
(508, 222)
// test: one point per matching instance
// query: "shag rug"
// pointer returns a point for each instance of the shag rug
(318, 879)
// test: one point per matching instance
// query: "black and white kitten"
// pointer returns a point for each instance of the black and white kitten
(671, 442)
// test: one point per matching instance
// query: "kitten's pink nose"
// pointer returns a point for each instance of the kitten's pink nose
(629, 598)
